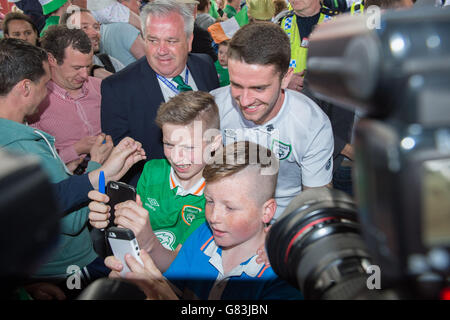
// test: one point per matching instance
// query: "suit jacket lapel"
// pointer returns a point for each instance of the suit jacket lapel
(197, 75)
(150, 85)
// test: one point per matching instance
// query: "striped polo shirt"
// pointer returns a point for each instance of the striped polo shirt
(197, 273)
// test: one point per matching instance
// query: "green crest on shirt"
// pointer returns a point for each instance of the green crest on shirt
(166, 238)
(189, 213)
(280, 149)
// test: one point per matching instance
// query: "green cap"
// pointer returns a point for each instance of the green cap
(49, 6)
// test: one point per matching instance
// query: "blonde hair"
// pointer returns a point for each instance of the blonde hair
(261, 9)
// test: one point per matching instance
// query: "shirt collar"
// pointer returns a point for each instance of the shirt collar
(182, 74)
(196, 189)
(249, 267)
(64, 94)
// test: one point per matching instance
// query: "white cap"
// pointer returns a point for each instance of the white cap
(95, 5)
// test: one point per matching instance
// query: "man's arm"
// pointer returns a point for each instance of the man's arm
(134, 20)
(328, 185)
(123, 156)
(114, 116)
(348, 151)
(138, 48)
(68, 200)
(317, 162)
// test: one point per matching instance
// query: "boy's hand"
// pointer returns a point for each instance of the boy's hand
(72, 165)
(149, 278)
(262, 253)
(45, 291)
(101, 149)
(297, 81)
(99, 211)
(122, 158)
(115, 265)
(262, 256)
(84, 145)
(131, 215)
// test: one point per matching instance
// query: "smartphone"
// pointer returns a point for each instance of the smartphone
(118, 192)
(123, 241)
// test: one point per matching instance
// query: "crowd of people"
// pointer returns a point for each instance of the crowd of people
(217, 137)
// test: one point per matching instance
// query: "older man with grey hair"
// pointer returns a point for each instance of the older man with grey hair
(131, 97)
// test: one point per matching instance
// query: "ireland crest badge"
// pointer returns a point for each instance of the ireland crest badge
(280, 149)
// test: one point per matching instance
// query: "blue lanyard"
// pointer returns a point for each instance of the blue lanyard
(170, 85)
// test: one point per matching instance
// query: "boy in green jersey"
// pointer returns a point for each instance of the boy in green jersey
(222, 64)
(170, 191)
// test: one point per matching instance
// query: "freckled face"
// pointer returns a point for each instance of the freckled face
(232, 213)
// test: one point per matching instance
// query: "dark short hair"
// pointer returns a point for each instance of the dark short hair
(262, 43)
(202, 4)
(19, 60)
(17, 16)
(280, 5)
(57, 38)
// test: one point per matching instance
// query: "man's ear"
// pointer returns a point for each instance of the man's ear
(287, 78)
(269, 208)
(217, 142)
(23, 87)
(191, 37)
(52, 60)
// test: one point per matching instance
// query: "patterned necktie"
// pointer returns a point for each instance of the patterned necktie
(181, 85)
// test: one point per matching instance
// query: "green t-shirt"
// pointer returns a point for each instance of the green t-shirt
(213, 10)
(173, 217)
(224, 77)
(51, 21)
(230, 11)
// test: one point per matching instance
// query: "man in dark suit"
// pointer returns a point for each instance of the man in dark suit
(131, 97)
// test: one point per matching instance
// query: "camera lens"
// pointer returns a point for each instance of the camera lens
(316, 245)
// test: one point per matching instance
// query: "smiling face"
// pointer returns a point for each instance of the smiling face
(73, 72)
(166, 44)
(257, 89)
(91, 27)
(183, 148)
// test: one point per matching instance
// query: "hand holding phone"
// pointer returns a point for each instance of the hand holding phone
(122, 242)
(118, 192)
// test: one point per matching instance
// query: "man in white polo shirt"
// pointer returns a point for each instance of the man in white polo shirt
(258, 107)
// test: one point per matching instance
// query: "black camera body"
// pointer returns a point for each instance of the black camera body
(403, 194)
(397, 74)
(29, 216)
